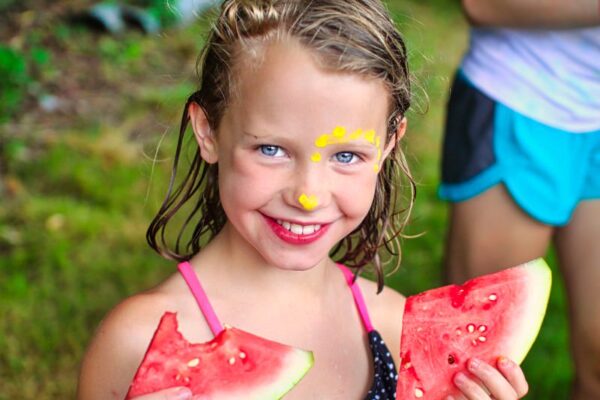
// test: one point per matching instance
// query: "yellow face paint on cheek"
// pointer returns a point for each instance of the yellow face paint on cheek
(308, 202)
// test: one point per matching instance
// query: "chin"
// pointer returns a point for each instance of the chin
(291, 263)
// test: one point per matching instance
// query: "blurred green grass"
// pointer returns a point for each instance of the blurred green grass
(79, 188)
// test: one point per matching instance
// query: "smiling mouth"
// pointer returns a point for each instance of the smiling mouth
(297, 228)
(296, 234)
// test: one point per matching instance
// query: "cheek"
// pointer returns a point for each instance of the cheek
(244, 182)
(356, 203)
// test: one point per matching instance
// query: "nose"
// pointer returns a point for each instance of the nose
(308, 189)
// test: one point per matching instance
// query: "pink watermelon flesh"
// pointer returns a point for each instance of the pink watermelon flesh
(234, 365)
(490, 316)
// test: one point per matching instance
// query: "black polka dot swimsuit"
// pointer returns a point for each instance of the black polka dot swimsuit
(385, 376)
(384, 370)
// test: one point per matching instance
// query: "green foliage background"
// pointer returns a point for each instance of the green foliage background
(79, 183)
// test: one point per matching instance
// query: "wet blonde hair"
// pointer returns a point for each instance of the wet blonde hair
(356, 36)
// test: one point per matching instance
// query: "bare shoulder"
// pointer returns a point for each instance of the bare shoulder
(119, 344)
(386, 310)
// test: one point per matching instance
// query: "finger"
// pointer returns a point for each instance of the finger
(456, 397)
(514, 375)
(469, 388)
(175, 393)
(495, 382)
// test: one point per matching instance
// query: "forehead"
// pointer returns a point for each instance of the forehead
(284, 86)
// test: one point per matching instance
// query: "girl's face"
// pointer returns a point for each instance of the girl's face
(298, 150)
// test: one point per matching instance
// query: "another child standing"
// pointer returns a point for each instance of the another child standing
(297, 120)
(521, 160)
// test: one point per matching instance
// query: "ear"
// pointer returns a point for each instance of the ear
(203, 133)
(400, 131)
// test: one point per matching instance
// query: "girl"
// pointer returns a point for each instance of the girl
(300, 109)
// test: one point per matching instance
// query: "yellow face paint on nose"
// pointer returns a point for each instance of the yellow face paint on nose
(308, 202)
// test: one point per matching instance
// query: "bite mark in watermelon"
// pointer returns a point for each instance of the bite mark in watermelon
(490, 316)
(234, 365)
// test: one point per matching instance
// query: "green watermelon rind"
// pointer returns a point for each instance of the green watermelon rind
(298, 362)
(537, 302)
(305, 361)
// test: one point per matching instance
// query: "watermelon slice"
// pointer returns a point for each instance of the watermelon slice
(490, 316)
(234, 365)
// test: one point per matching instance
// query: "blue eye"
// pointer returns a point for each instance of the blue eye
(270, 150)
(345, 157)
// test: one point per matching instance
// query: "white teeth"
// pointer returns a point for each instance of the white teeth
(299, 229)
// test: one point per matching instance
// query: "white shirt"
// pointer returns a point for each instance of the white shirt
(552, 76)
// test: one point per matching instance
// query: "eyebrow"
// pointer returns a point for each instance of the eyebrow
(255, 136)
(356, 145)
(359, 142)
(252, 135)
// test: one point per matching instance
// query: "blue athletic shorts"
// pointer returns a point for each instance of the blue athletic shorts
(547, 171)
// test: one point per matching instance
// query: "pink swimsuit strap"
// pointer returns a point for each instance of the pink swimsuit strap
(358, 297)
(187, 271)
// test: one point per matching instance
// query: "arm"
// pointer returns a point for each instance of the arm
(551, 14)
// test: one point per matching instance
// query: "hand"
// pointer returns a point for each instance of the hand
(174, 393)
(506, 382)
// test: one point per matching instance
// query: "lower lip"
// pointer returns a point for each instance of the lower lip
(294, 238)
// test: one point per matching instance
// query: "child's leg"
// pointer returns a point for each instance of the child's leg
(490, 232)
(578, 247)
